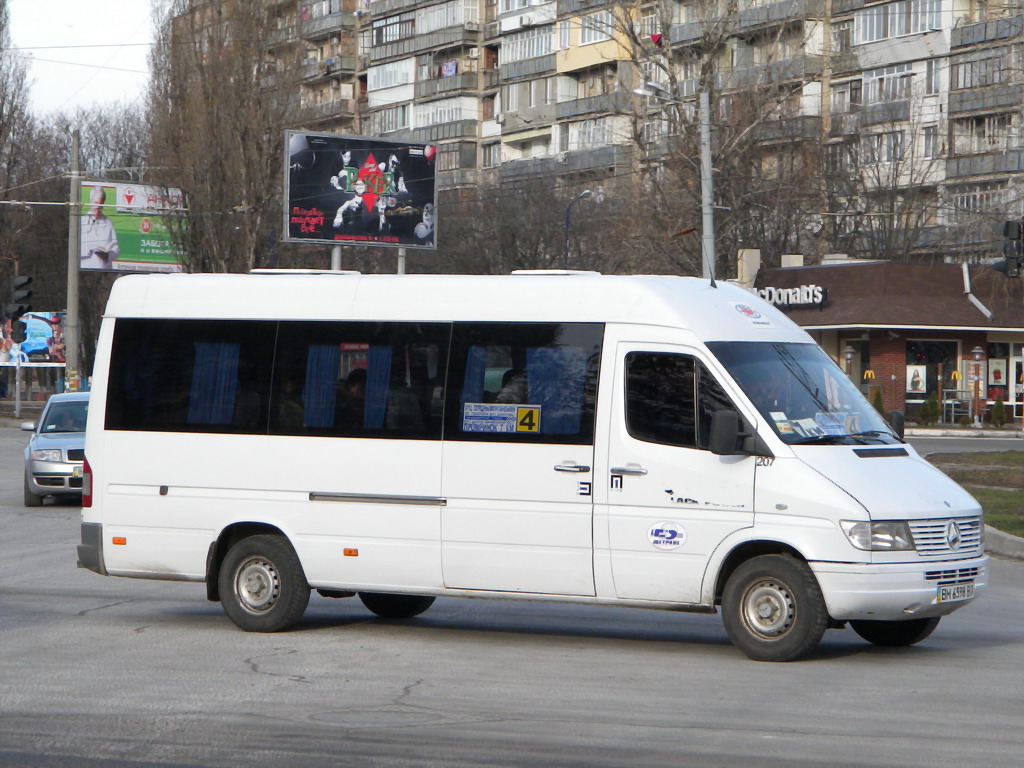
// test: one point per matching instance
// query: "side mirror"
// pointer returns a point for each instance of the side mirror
(730, 437)
(898, 423)
(726, 434)
(28, 426)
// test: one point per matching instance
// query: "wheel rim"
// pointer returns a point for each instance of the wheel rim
(257, 585)
(768, 609)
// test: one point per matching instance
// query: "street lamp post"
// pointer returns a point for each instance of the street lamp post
(977, 352)
(568, 219)
(707, 188)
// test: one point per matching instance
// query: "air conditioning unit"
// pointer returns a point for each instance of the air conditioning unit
(500, 119)
(526, 20)
(563, 157)
(474, 53)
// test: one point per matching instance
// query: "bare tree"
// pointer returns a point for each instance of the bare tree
(217, 123)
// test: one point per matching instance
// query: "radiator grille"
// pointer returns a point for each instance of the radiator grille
(76, 454)
(952, 576)
(960, 536)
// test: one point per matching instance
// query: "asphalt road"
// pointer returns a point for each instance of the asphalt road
(102, 672)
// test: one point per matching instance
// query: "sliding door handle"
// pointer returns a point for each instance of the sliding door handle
(568, 467)
(632, 469)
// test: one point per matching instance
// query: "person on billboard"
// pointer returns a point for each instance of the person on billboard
(383, 226)
(343, 180)
(424, 231)
(353, 209)
(99, 240)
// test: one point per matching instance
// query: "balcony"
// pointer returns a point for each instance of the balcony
(459, 177)
(322, 26)
(844, 124)
(887, 112)
(527, 67)
(380, 8)
(467, 34)
(796, 68)
(311, 70)
(992, 98)
(608, 158)
(459, 129)
(987, 31)
(467, 81)
(796, 128)
(329, 110)
(607, 102)
(774, 13)
(1007, 161)
(688, 32)
(527, 118)
(576, 7)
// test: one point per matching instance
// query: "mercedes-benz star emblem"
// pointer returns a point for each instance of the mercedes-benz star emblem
(953, 535)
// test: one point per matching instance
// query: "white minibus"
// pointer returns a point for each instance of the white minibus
(643, 441)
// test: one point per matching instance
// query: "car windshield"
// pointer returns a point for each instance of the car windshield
(803, 394)
(65, 417)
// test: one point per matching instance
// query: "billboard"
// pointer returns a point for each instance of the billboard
(124, 227)
(43, 339)
(359, 191)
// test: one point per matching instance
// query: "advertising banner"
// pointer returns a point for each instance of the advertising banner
(43, 343)
(359, 191)
(124, 228)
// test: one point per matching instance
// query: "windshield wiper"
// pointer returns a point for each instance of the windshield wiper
(822, 440)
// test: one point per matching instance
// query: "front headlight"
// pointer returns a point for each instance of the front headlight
(46, 454)
(881, 536)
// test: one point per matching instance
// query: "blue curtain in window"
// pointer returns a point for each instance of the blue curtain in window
(378, 374)
(321, 390)
(211, 398)
(556, 380)
(476, 368)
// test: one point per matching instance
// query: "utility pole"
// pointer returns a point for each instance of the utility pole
(706, 190)
(71, 325)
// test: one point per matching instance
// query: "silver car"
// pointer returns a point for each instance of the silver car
(56, 450)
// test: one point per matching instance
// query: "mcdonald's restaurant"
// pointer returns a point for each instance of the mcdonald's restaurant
(906, 331)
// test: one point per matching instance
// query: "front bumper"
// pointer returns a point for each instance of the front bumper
(54, 478)
(896, 591)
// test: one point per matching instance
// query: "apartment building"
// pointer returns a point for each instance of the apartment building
(910, 109)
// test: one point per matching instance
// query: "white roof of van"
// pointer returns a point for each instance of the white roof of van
(725, 312)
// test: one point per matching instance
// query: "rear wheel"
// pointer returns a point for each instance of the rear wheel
(31, 500)
(895, 634)
(262, 585)
(773, 609)
(395, 606)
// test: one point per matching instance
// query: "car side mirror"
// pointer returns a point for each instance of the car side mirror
(731, 436)
(28, 426)
(898, 423)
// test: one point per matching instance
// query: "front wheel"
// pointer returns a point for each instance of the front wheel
(773, 609)
(31, 500)
(895, 634)
(262, 585)
(395, 606)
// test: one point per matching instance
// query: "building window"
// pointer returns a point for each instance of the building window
(842, 36)
(438, 112)
(931, 78)
(449, 157)
(879, 148)
(394, 28)
(596, 27)
(904, 17)
(389, 120)
(991, 70)
(507, 6)
(528, 44)
(931, 141)
(492, 155)
(389, 75)
(980, 198)
(977, 135)
(887, 84)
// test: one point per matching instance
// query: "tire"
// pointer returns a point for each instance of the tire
(895, 634)
(262, 585)
(31, 500)
(773, 609)
(395, 606)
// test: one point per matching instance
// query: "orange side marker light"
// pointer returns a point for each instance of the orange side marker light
(119, 541)
(350, 552)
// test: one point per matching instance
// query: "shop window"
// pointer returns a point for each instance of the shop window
(930, 367)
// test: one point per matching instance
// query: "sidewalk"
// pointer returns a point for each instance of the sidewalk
(1007, 433)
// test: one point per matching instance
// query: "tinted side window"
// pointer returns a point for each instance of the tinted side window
(670, 399)
(190, 375)
(660, 402)
(288, 378)
(360, 379)
(523, 382)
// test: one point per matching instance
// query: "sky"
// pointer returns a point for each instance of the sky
(108, 64)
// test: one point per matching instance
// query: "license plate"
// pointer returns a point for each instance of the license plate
(76, 472)
(951, 593)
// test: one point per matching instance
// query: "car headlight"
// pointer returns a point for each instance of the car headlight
(46, 454)
(880, 536)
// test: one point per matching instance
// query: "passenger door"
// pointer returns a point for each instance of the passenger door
(517, 475)
(671, 501)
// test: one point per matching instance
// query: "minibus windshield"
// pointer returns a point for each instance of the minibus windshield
(803, 394)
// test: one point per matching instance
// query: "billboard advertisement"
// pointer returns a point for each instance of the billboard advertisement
(43, 339)
(124, 227)
(359, 191)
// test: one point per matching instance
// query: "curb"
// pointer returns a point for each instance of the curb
(1005, 544)
(921, 432)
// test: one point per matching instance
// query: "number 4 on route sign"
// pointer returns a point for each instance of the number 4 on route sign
(528, 418)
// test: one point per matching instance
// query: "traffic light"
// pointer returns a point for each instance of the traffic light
(1013, 249)
(17, 305)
